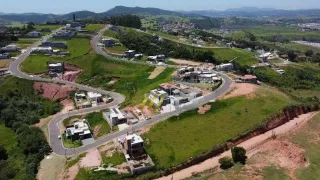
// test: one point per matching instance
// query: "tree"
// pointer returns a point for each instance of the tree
(291, 55)
(3, 153)
(225, 162)
(309, 53)
(239, 155)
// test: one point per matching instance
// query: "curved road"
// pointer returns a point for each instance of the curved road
(53, 126)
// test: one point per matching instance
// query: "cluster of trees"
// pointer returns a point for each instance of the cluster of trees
(126, 20)
(207, 22)
(12, 32)
(20, 108)
(293, 78)
(238, 156)
(149, 45)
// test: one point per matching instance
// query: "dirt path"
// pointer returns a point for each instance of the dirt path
(158, 70)
(248, 145)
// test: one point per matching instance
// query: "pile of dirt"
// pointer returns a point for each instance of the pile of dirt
(96, 130)
(114, 80)
(204, 109)
(70, 73)
(241, 89)
(52, 91)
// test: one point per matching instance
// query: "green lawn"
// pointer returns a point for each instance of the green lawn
(165, 35)
(274, 173)
(96, 120)
(37, 64)
(177, 139)
(118, 48)
(133, 83)
(110, 33)
(7, 137)
(51, 27)
(116, 158)
(94, 27)
(68, 143)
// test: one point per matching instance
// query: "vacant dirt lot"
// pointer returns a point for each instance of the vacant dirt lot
(158, 70)
(241, 89)
(185, 62)
(52, 91)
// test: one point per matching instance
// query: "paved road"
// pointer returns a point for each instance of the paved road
(54, 130)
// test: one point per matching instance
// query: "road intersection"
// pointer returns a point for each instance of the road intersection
(54, 129)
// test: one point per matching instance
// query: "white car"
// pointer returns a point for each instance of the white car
(59, 137)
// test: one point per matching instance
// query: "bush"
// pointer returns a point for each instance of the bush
(239, 155)
(225, 162)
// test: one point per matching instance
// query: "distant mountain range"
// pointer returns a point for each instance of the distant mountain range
(255, 12)
(118, 10)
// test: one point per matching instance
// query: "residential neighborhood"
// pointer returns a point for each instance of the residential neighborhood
(214, 91)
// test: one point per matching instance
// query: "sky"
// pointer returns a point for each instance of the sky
(66, 6)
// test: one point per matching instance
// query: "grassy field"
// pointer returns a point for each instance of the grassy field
(7, 137)
(118, 48)
(133, 83)
(177, 139)
(96, 120)
(4, 63)
(291, 32)
(94, 27)
(165, 35)
(38, 63)
(51, 27)
(116, 158)
(110, 33)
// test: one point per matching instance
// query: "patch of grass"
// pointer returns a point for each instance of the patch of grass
(110, 33)
(68, 143)
(51, 27)
(133, 83)
(179, 138)
(37, 64)
(116, 158)
(274, 173)
(75, 160)
(307, 139)
(94, 27)
(96, 119)
(165, 35)
(85, 174)
(7, 137)
(118, 48)
(4, 63)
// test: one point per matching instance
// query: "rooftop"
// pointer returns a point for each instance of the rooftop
(94, 95)
(134, 139)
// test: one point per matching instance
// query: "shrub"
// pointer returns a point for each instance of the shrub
(239, 155)
(225, 162)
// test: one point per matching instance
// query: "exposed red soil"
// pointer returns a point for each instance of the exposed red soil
(52, 91)
(96, 130)
(241, 89)
(204, 109)
(71, 73)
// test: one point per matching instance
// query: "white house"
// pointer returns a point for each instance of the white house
(94, 97)
(159, 97)
(225, 67)
(79, 130)
(116, 116)
(42, 50)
